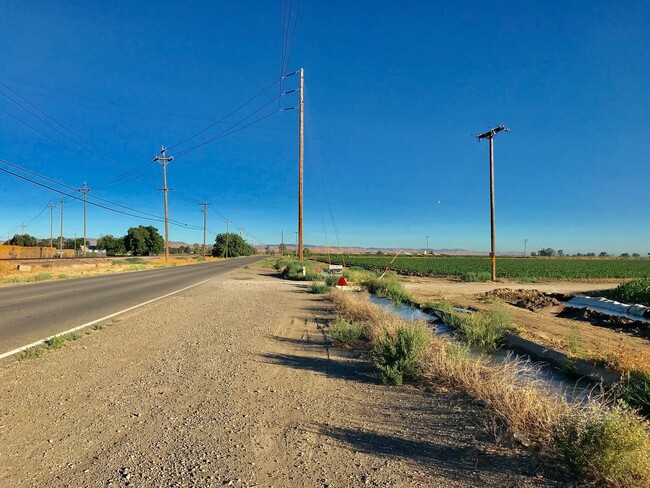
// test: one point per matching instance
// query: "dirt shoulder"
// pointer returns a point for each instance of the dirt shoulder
(544, 326)
(231, 383)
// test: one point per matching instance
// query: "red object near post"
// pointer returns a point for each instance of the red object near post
(342, 282)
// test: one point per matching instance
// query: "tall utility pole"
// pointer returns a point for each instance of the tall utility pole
(227, 222)
(163, 160)
(51, 205)
(61, 236)
(427, 245)
(205, 217)
(490, 136)
(282, 242)
(84, 189)
(525, 245)
(22, 228)
(300, 161)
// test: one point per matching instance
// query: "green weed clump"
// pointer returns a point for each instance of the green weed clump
(484, 329)
(397, 356)
(574, 342)
(344, 333)
(608, 445)
(319, 288)
(636, 393)
(57, 342)
(32, 353)
(476, 276)
(291, 269)
(389, 287)
(637, 291)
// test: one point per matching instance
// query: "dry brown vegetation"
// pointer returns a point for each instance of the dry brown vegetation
(604, 443)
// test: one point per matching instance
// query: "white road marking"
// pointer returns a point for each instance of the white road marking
(93, 322)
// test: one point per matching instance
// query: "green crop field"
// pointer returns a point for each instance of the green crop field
(507, 267)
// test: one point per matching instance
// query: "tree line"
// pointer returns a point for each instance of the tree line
(145, 241)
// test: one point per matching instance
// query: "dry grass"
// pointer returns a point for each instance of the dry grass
(517, 401)
(608, 445)
(69, 268)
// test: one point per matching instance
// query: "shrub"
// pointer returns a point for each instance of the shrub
(610, 444)
(574, 342)
(637, 291)
(397, 357)
(344, 333)
(318, 287)
(473, 276)
(292, 270)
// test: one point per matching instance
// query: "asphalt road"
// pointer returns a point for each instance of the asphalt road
(32, 312)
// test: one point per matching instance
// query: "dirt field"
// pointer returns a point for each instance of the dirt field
(230, 384)
(542, 326)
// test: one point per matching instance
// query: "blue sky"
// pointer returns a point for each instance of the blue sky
(394, 94)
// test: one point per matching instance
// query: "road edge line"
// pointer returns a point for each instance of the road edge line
(96, 321)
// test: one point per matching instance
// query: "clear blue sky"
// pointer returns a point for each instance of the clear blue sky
(394, 94)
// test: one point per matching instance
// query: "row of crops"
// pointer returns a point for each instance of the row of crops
(527, 268)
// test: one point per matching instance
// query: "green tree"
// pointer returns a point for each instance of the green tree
(546, 252)
(236, 246)
(144, 241)
(114, 246)
(603, 254)
(282, 249)
(24, 240)
(560, 252)
(74, 243)
(625, 255)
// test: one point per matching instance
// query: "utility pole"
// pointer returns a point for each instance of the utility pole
(22, 228)
(163, 160)
(282, 242)
(296, 243)
(226, 252)
(490, 137)
(525, 245)
(84, 189)
(51, 205)
(205, 216)
(427, 245)
(61, 236)
(300, 162)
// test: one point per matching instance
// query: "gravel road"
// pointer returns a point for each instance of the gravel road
(230, 384)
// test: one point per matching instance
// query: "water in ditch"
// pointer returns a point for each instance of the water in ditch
(571, 389)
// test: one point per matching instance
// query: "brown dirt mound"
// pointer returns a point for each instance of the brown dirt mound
(619, 324)
(529, 299)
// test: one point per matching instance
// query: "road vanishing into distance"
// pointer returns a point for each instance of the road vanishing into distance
(32, 312)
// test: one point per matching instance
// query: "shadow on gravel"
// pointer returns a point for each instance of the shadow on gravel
(359, 371)
(460, 462)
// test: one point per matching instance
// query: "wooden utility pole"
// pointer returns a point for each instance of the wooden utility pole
(226, 251)
(205, 217)
(61, 236)
(84, 189)
(490, 136)
(300, 162)
(163, 160)
(51, 205)
(282, 242)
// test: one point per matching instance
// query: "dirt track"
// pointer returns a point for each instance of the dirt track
(231, 384)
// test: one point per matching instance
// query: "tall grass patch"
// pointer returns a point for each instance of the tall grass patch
(484, 329)
(389, 287)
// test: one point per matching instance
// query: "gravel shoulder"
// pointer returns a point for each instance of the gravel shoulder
(232, 383)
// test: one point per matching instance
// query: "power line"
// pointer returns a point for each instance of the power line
(228, 115)
(74, 197)
(221, 135)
